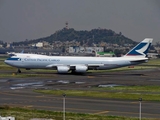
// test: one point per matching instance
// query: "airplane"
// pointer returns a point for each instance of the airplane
(64, 64)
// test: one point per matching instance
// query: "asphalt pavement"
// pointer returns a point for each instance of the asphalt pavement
(19, 92)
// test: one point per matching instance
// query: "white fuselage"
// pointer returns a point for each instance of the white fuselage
(34, 61)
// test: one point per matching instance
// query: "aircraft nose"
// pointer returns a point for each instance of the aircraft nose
(6, 61)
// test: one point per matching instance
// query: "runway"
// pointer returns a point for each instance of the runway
(97, 106)
(19, 92)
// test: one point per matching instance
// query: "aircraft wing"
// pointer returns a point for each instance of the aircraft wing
(74, 65)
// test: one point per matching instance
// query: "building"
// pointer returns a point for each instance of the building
(152, 55)
(105, 54)
(8, 45)
(39, 45)
(89, 50)
(1, 46)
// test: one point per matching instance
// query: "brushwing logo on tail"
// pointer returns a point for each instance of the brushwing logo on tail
(141, 49)
(144, 49)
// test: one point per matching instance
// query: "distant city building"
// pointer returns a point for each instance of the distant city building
(152, 55)
(8, 45)
(158, 49)
(105, 54)
(45, 44)
(39, 44)
(77, 49)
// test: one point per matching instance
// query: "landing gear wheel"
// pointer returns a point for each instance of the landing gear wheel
(18, 71)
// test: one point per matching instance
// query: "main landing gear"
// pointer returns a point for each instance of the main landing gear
(18, 71)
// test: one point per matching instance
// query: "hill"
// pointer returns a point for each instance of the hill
(93, 36)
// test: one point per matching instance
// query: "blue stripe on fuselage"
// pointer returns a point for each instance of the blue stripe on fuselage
(15, 59)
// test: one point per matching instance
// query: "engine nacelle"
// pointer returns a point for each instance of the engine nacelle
(81, 68)
(63, 69)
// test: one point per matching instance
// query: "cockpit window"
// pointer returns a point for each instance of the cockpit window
(11, 55)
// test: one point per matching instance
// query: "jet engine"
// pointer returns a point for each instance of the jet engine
(63, 69)
(81, 68)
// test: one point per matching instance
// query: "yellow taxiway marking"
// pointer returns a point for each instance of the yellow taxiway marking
(90, 77)
(42, 96)
(28, 106)
(134, 102)
(101, 112)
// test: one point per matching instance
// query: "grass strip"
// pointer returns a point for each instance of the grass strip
(148, 93)
(28, 113)
(145, 88)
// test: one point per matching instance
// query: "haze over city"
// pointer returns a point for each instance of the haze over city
(33, 19)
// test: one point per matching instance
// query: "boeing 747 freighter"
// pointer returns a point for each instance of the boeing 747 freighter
(64, 64)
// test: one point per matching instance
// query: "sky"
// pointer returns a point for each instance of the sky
(33, 19)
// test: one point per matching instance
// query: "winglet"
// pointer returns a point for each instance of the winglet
(141, 49)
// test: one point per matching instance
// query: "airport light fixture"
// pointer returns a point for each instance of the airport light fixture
(64, 96)
(140, 100)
